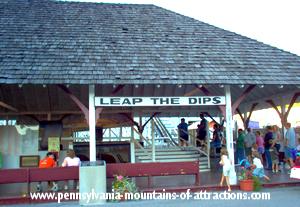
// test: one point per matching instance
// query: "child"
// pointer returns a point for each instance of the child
(225, 162)
(274, 157)
(260, 144)
(259, 169)
(254, 148)
(298, 146)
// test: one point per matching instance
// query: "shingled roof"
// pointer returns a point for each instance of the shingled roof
(50, 42)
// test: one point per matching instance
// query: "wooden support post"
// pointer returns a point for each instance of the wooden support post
(132, 146)
(92, 122)
(229, 133)
(153, 140)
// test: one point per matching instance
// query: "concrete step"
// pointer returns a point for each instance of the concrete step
(201, 159)
(167, 152)
(204, 170)
(171, 156)
(203, 166)
(168, 149)
(170, 160)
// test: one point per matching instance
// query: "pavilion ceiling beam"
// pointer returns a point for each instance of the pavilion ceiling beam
(242, 97)
(7, 106)
(235, 105)
(284, 116)
(139, 127)
(117, 89)
(246, 120)
(82, 107)
(99, 110)
(192, 92)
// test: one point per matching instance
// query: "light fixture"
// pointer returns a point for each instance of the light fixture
(44, 85)
(261, 86)
(158, 86)
(114, 86)
(67, 85)
(241, 86)
(136, 85)
(221, 86)
(280, 86)
(20, 85)
(179, 86)
(200, 86)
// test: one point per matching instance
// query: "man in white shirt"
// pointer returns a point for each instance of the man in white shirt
(290, 143)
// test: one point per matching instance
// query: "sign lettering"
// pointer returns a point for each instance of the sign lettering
(159, 101)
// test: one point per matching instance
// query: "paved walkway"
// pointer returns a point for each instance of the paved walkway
(279, 197)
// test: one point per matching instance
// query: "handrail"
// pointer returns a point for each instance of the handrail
(142, 148)
(160, 124)
(140, 134)
(139, 145)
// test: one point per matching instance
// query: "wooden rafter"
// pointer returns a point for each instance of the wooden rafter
(284, 116)
(140, 127)
(100, 109)
(117, 89)
(271, 102)
(192, 92)
(208, 93)
(7, 106)
(246, 120)
(236, 104)
(82, 107)
(250, 114)
(292, 102)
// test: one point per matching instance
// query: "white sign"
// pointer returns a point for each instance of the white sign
(160, 101)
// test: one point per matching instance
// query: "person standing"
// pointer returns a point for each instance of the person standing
(260, 144)
(216, 142)
(183, 133)
(290, 143)
(202, 130)
(48, 162)
(225, 162)
(274, 156)
(268, 139)
(276, 137)
(240, 146)
(71, 161)
(249, 140)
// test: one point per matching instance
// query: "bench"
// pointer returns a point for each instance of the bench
(154, 169)
(29, 175)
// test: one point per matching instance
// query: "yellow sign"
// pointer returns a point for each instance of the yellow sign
(53, 144)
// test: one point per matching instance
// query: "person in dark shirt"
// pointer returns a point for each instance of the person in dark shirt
(202, 131)
(268, 139)
(216, 142)
(183, 133)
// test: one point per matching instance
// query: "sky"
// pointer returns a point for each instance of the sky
(274, 22)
